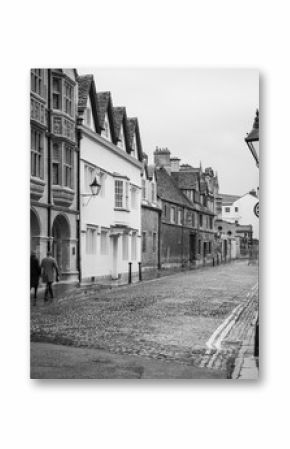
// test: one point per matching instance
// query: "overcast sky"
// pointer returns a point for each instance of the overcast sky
(199, 114)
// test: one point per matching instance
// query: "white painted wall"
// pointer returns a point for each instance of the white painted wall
(245, 214)
(99, 211)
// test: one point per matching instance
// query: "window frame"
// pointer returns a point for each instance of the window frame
(36, 153)
(93, 249)
(124, 194)
(172, 214)
(37, 81)
(68, 166)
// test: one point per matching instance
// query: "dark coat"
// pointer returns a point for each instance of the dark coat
(48, 266)
(34, 271)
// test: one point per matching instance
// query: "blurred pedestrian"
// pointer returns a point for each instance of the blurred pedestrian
(34, 274)
(48, 267)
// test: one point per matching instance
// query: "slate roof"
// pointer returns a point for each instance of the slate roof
(119, 112)
(228, 198)
(132, 123)
(186, 179)
(84, 83)
(167, 189)
(103, 100)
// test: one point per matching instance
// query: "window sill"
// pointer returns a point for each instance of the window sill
(121, 209)
(37, 180)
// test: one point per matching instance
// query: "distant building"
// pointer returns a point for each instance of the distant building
(150, 217)
(242, 210)
(110, 157)
(187, 221)
(54, 195)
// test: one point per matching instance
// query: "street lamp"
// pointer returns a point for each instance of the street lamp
(95, 187)
(252, 139)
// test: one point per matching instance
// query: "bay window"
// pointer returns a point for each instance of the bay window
(68, 164)
(91, 244)
(37, 138)
(125, 246)
(56, 164)
(37, 81)
(134, 246)
(68, 98)
(62, 164)
(56, 93)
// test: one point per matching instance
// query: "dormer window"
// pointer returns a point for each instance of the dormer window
(106, 132)
(121, 143)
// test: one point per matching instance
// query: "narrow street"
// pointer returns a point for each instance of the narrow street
(187, 325)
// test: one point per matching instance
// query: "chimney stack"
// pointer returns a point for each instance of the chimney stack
(162, 158)
(174, 162)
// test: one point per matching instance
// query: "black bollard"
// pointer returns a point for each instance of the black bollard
(130, 273)
(140, 271)
(213, 261)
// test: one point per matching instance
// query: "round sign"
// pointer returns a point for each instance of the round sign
(256, 209)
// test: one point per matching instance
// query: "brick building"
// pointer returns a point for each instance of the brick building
(188, 211)
(54, 195)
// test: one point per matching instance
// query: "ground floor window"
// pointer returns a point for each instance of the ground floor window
(104, 242)
(91, 240)
(125, 246)
(144, 242)
(134, 246)
(154, 242)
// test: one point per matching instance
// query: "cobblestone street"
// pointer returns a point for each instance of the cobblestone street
(172, 319)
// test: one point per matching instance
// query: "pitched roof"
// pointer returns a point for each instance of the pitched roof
(119, 113)
(186, 179)
(132, 122)
(167, 189)
(84, 82)
(103, 100)
(228, 198)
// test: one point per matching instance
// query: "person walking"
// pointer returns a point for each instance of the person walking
(34, 274)
(48, 266)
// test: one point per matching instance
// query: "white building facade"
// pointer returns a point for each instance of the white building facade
(110, 155)
(244, 211)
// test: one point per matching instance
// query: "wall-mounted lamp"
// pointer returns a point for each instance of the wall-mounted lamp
(95, 187)
(252, 139)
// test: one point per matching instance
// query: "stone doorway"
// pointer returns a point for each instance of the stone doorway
(35, 231)
(61, 243)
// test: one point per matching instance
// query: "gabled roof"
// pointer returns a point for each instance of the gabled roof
(103, 102)
(119, 115)
(133, 129)
(84, 83)
(86, 90)
(228, 198)
(167, 189)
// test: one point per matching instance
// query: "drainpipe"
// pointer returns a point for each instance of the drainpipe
(159, 241)
(79, 136)
(182, 229)
(49, 162)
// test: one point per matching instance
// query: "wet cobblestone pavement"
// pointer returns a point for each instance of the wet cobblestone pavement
(169, 319)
